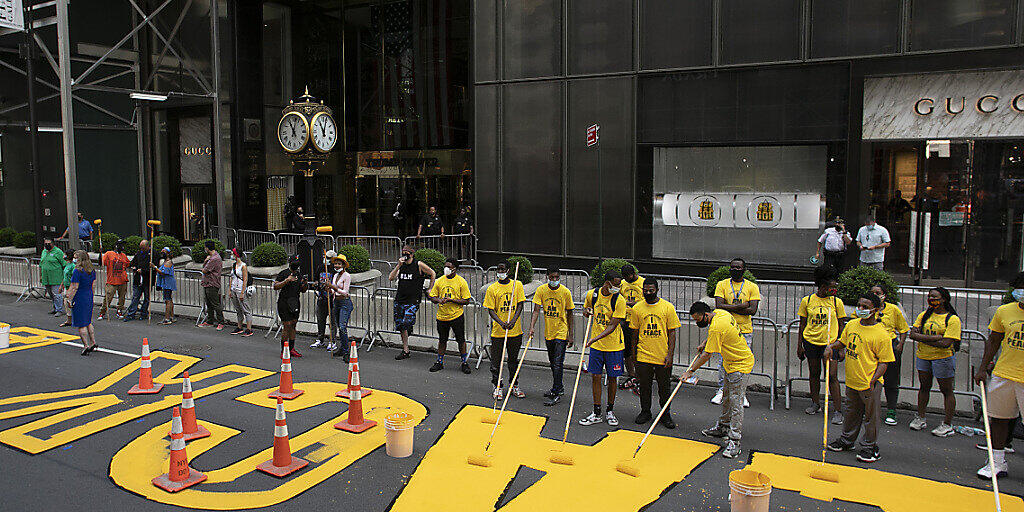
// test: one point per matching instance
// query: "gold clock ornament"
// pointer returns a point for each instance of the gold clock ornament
(307, 132)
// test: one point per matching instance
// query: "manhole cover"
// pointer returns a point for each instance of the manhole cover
(186, 348)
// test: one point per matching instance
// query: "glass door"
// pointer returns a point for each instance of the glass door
(996, 213)
(944, 192)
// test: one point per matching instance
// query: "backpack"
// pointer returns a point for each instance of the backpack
(614, 301)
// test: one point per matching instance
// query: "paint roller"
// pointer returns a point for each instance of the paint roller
(98, 222)
(629, 466)
(153, 223)
(558, 455)
(988, 447)
(492, 417)
(824, 472)
(99, 229)
(483, 459)
(324, 229)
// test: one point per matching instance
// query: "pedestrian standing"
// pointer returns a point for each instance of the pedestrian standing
(84, 229)
(69, 270)
(504, 303)
(872, 240)
(451, 293)
(430, 224)
(81, 303)
(891, 317)
(937, 333)
(290, 283)
(116, 263)
(210, 282)
(655, 323)
(324, 306)
(740, 297)
(868, 347)
(240, 295)
(632, 291)
(606, 343)
(724, 338)
(555, 302)
(342, 306)
(51, 274)
(463, 226)
(410, 274)
(822, 316)
(140, 267)
(832, 244)
(167, 283)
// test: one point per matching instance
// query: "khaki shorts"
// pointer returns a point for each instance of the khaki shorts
(1005, 398)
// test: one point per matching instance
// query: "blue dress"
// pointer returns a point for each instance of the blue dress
(81, 312)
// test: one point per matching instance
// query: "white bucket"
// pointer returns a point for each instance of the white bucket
(5, 335)
(750, 491)
(398, 432)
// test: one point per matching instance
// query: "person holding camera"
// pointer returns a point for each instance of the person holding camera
(410, 274)
(833, 243)
(290, 283)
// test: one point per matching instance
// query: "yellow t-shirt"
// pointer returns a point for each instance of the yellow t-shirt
(632, 292)
(603, 315)
(724, 338)
(502, 298)
(652, 323)
(866, 346)
(947, 325)
(454, 287)
(732, 293)
(820, 312)
(556, 305)
(891, 317)
(1009, 320)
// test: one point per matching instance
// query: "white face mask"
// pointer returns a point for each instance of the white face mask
(502, 276)
(447, 271)
(614, 289)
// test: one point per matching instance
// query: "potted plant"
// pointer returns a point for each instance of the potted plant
(199, 254)
(177, 257)
(525, 275)
(267, 260)
(7, 239)
(24, 244)
(858, 280)
(359, 265)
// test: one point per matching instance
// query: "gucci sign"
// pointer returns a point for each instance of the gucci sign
(197, 151)
(986, 104)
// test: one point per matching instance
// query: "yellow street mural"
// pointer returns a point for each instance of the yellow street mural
(23, 338)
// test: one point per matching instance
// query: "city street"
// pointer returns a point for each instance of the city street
(67, 462)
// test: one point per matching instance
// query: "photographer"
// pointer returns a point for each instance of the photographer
(833, 242)
(290, 283)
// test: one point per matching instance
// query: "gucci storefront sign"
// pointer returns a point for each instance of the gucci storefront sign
(768, 210)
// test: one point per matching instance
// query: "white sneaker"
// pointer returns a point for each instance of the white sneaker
(498, 395)
(590, 420)
(746, 403)
(943, 430)
(518, 393)
(918, 423)
(717, 399)
(611, 419)
(985, 473)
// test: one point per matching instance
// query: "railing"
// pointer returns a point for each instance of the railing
(461, 247)
(385, 268)
(290, 241)
(226, 235)
(385, 248)
(17, 272)
(65, 244)
(247, 240)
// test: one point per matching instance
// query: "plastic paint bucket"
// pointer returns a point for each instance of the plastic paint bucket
(750, 491)
(398, 430)
(5, 335)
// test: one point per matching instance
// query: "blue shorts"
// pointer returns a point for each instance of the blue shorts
(601, 361)
(405, 316)
(167, 294)
(944, 368)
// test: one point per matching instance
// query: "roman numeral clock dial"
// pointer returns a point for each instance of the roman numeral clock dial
(325, 133)
(293, 132)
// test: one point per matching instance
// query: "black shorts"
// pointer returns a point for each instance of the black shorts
(288, 312)
(812, 351)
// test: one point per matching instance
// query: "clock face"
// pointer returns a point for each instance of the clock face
(325, 133)
(293, 132)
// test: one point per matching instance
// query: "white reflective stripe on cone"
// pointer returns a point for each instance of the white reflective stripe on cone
(279, 415)
(355, 378)
(280, 430)
(146, 364)
(145, 350)
(286, 353)
(186, 386)
(286, 367)
(177, 444)
(176, 425)
(355, 395)
(187, 403)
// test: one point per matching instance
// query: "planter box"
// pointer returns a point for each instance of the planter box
(191, 265)
(367, 279)
(270, 272)
(26, 252)
(181, 260)
(6, 249)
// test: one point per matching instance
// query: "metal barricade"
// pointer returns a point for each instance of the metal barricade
(386, 248)
(426, 321)
(680, 290)
(971, 304)
(461, 247)
(385, 268)
(227, 236)
(17, 272)
(65, 244)
(290, 241)
(476, 278)
(247, 240)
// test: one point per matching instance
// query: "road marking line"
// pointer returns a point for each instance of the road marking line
(101, 349)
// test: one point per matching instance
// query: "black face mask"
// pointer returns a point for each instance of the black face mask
(295, 266)
(651, 298)
(704, 323)
(736, 274)
(48, 246)
(407, 255)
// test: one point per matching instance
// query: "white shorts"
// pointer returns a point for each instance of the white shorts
(1005, 398)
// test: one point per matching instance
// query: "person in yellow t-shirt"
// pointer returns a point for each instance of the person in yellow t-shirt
(632, 289)
(868, 352)
(937, 332)
(895, 322)
(1005, 386)
(724, 338)
(740, 297)
(504, 303)
(555, 301)
(605, 342)
(451, 294)
(822, 316)
(655, 323)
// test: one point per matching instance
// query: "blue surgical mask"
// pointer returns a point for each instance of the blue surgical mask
(554, 283)
(1018, 294)
(863, 313)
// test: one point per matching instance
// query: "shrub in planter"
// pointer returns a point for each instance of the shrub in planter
(24, 240)
(858, 280)
(7, 237)
(167, 241)
(525, 268)
(358, 258)
(108, 240)
(131, 245)
(432, 258)
(199, 249)
(597, 273)
(267, 254)
(723, 273)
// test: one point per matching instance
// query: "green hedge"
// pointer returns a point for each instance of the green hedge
(108, 240)
(603, 266)
(199, 249)
(358, 258)
(25, 239)
(525, 268)
(268, 254)
(858, 280)
(7, 237)
(131, 245)
(721, 273)
(167, 241)
(432, 258)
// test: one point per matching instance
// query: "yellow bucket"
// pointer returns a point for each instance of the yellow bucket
(398, 432)
(5, 335)
(750, 491)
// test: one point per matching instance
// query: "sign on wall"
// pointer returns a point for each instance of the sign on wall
(768, 210)
(195, 150)
(12, 16)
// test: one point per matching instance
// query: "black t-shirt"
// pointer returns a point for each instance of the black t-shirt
(462, 225)
(289, 293)
(410, 283)
(431, 225)
(141, 265)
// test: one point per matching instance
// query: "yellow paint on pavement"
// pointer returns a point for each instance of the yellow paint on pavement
(23, 338)
(593, 479)
(891, 492)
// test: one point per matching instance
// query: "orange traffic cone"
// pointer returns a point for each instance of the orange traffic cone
(355, 422)
(283, 464)
(180, 475)
(192, 429)
(353, 361)
(146, 386)
(285, 389)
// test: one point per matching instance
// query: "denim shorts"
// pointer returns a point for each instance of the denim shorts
(600, 360)
(943, 368)
(167, 295)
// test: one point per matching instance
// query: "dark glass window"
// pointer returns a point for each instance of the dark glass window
(531, 167)
(485, 40)
(760, 30)
(671, 37)
(532, 36)
(485, 154)
(942, 24)
(854, 27)
(600, 36)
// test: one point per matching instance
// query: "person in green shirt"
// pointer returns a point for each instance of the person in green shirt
(51, 274)
(69, 268)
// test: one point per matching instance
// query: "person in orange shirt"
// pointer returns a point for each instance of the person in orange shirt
(116, 263)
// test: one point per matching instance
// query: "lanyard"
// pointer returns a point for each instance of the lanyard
(736, 293)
